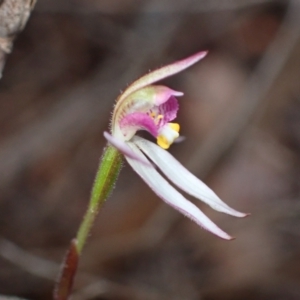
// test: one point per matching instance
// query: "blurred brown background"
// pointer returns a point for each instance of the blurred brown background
(241, 118)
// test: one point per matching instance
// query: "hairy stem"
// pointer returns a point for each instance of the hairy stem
(106, 177)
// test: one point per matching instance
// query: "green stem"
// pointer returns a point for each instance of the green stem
(106, 177)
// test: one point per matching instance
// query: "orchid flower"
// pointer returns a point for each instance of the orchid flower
(144, 106)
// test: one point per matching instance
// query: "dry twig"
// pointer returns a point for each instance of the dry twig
(14, 15)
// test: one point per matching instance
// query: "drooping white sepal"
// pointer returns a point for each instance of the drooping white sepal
(171, 196)
(184, 179)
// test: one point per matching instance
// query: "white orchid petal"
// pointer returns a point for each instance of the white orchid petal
(162, 73)
(171, 196)
(184, 179)
(123, 148)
